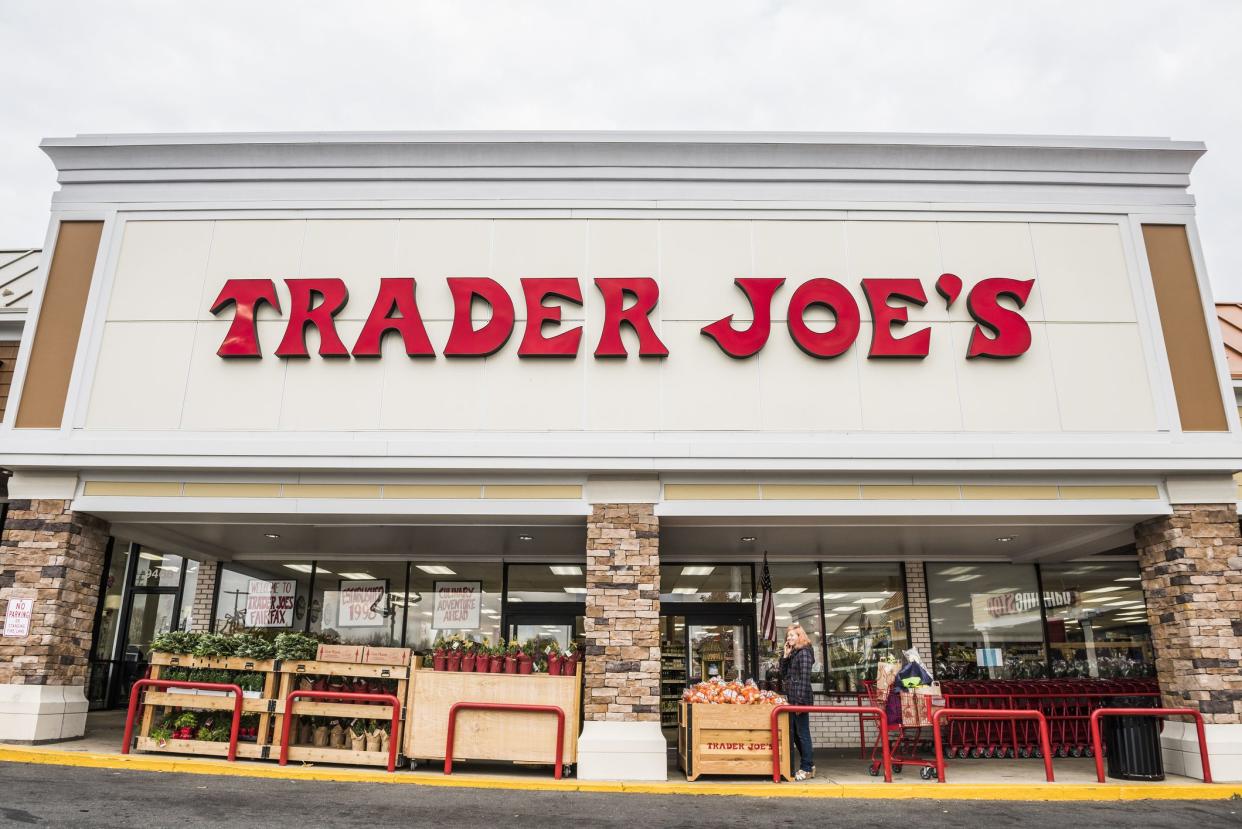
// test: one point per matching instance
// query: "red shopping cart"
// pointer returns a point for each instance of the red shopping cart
(904, 750)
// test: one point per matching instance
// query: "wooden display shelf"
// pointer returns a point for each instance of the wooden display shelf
(520, 737)
(200, 702)
(208, 748)
(365, 670)
(220, 663)
(336, 756)
(729, 739)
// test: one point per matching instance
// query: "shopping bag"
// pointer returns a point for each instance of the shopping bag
(915, 710)
(931, 693)
(885, 676)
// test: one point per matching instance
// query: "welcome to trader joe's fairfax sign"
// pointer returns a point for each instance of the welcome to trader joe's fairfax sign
(999, 332)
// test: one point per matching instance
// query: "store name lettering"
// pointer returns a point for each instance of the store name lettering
(1009, 604)
(999, 331)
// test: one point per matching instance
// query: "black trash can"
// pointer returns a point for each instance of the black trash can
(1133, 743)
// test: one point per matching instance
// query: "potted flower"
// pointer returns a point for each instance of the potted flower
(439, 655)
(511, 657)
(452, 660)
(526, 657)
(185, 725)
(468, 656)
(358, 735)
(570, 658)
(496, 658)
(552, 653)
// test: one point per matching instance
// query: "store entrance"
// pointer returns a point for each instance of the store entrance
(699, 643)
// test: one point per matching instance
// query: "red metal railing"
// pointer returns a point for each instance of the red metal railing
(989, 714)
(342, 696)
(1147, 712)
(505, 706)
(135, 693)
(852, 710)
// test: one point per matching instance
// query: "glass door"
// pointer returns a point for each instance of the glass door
(699, 643)
(717, 650)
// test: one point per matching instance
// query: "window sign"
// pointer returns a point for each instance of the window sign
(17, 617)
(456, 605)
(362, 603)
(269, 604)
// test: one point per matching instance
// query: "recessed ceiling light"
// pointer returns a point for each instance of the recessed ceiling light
(849, 608)
(357, 576)
(790, 591)
(834, 569)
(426, 612)
(525, 537)
(874, 612)
(835, 595)
(436, 569)
(939, 601)
(746, 539)
(789, 604)
(1108, 589)
(697, 571)
(956, 571)
(150, 556)
(271, 535)
(685, 590)
(566, 569)
(1129, 578)
(574, 589)
(168, 567)
(514, 599)
(830, 615)
(304, 568)
(937, 620)
(870, 600)
(1005, 539)
(962, 604)
(966, 578)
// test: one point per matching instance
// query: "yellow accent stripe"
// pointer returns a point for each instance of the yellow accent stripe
(1110, 493)
(911, 492)
(877, 790)
(132, 489)
(428, 491)
(811, 492)
(1008, 493)
(232, 490)
(332, 491)
(534, 492)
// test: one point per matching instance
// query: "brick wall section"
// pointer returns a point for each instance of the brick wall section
(622, 623)
(1192, 580)
(204, 594)
(917, 614)
(56, 557)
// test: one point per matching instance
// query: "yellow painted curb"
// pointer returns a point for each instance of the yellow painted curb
(862, 791)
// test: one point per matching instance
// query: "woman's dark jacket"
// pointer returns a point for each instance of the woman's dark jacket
(796, 674)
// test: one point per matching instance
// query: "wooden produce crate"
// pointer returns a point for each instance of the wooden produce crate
(729, 739)
(290, 672)
(514, 736)
(265, 705)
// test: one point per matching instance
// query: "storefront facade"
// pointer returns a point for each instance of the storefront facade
(933, 379)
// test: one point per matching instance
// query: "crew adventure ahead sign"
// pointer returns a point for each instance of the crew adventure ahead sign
(1000, 331)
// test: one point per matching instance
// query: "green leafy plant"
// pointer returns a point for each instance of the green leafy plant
(161, 733)
(175, 641)
(253, 646)
(250, 682)
(186, 719)
(213, 644)
(296, 646)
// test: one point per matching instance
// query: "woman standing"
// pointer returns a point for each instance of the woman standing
(796, 666)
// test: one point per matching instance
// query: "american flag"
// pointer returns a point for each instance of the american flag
(767, 608)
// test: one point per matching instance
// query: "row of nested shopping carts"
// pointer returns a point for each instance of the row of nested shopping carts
(1065, 703)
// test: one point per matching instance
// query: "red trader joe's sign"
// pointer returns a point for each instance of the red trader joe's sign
(1000, 331)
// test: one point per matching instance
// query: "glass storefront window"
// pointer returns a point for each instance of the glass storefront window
(113, 593)
(795, 592)
(864, 621)
(985, 621)
(1097, 620)
(360, 602)
(420, 634)
(156, 569)
(266, 579)
(564, 582)
(705, 583)
(187, 594)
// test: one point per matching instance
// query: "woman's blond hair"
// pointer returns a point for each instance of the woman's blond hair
(801, 640)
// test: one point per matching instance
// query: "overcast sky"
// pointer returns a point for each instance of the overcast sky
(1134, 67)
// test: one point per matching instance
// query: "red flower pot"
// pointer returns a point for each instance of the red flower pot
(438, 662)
(511, 664)
(467, 663)
(320, 684)
(495, 664)
(569, 665)
(452, 662)
(554, 664)
(525, 664)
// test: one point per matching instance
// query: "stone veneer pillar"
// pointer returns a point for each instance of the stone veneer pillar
(204, 596)
(1192, 580)
(621, 738)
(917, 610)
(56, 557)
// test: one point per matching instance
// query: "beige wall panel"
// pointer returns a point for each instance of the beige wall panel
(888, 249)
(431, 250)
(140, 379)
(623, 394)
(331, 491)
(539, 248)
(335, 393)
(533, 491)
(1082, 273)
(698, 262)
(1008, 493)
(911, 492)
(1016, 395)
(911, 394)
(234, 394)
(1101, 378)
(811, 492)
(800, 392)
(701, 388)
(433, 491)
(537, 394)
(431, 393)
(1110, 493)
(160, 271)
(258, 249)
(984, 250)
(356, 250)
(231, 490)
(623, 247)
(133, 489)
